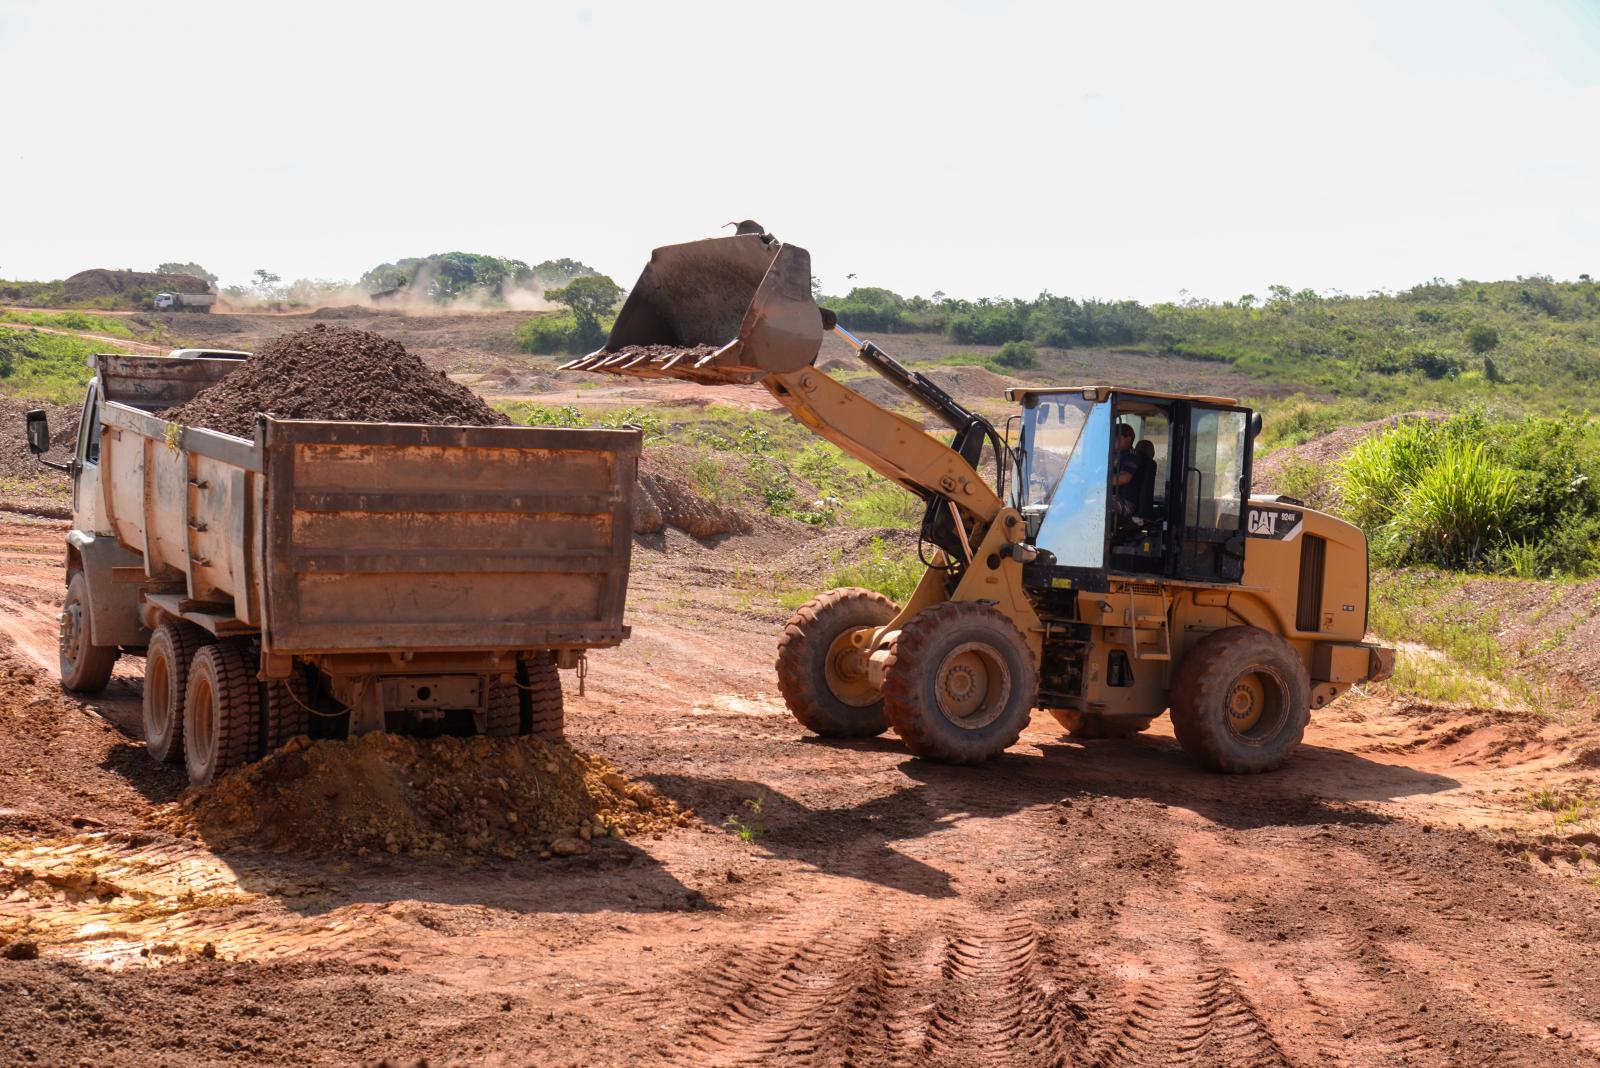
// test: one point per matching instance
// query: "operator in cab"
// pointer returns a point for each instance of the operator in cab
(1125, 473)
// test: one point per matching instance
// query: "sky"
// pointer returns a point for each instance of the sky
(1148, 150)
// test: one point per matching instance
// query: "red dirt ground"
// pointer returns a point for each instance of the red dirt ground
(1387, 898)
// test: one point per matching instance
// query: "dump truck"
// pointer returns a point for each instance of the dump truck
(333, 578)
(194, 302)
(1113, 566)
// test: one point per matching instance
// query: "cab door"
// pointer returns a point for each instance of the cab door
(1215, 487)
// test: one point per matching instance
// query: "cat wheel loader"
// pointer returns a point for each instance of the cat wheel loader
(1066, 575)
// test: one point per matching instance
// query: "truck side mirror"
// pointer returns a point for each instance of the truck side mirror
(1255, 424)
(38, 432)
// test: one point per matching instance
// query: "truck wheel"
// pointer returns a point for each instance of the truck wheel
(960, 683)
(166, 681)
(85, 667)
(286, 701)
(533, 706)
(221, 711)
(1093, 725)
(822, 675)
(1241, 701)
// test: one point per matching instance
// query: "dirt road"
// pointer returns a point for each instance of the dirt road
(1388, 898)
(120, 344)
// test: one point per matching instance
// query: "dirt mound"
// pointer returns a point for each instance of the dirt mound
(334, 372)
(666, 499)
(389, 793)
(504, 379)
(972, 381)
(1267, 473)
(15, 459)
(99, 282)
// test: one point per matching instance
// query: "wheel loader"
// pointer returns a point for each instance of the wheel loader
(1107, 565)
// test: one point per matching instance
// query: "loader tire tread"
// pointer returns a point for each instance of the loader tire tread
(1200, 692)
(914, 656)
(802, 652)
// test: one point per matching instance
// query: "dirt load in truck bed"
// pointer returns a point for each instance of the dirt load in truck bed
(334, 372)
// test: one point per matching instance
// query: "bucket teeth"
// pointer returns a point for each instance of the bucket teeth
(715, 368)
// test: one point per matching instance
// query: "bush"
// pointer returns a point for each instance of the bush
(1481, 338)
(1463, 504)
(1018, 355)
(892, 574)
(547, 335)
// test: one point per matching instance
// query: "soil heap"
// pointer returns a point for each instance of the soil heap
(389, 793)
(99, 282)
(334, 372)
(15, 459)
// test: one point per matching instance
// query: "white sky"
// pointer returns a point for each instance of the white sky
(993, 148)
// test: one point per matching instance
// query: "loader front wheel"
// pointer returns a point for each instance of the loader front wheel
(166, 682)
(822, 673)
(1241, 701)
(959, 683)
(85, 666)
(221, 711)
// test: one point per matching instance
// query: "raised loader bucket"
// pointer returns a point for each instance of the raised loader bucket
(727, 309)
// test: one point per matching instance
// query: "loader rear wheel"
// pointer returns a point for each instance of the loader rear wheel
(1241, 701)
(221, 711)
(166, 682)
(959, 683)
(1089, 725)
(85, 666)
(531, 706)
(822, 674)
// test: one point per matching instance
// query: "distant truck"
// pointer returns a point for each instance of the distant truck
(333, 577)
(195, 302)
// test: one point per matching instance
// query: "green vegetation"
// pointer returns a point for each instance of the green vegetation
(50, 367)
(71, 320)
(445, 276)
(1017, 356)
(748, 829)
(1431, 342)
(1521, 497)
(193, 270)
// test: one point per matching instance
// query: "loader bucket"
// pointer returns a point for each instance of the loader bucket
(727, 309)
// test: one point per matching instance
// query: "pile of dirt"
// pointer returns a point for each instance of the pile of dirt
(504, 379)
(15, 459)
(99, 282)
(389, 793)
(665, 498)
(661, 353)
(339, 373)
(1267, 473)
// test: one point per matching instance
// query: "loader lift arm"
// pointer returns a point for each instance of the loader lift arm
(960, 504)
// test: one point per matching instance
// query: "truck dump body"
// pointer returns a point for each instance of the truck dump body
(351, 537)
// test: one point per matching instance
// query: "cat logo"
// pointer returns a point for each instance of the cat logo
(1277, 524)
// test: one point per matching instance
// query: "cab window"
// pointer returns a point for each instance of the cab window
(1214, 495)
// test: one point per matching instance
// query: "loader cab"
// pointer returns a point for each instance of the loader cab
(1175, 508)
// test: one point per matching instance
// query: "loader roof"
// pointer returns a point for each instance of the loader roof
(1099, 392)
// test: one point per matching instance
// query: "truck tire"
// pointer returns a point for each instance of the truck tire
(1088, 725)
(1241, 701)
(221, 711)
(532, 706)
(822, 676)
(959, 683)
(286, 701)
(85, 667)
(166, 682)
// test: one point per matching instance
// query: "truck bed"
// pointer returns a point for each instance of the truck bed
(333, 538)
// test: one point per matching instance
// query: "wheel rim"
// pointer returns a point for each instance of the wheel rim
(158, 696)
(846, 671)
(71, 630)
(201, 733)
(972, 685)
(1257, 705)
